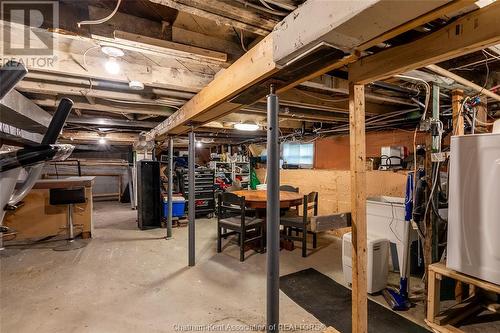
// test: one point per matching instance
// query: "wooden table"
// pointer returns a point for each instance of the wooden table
(257, 199)
(38, 219)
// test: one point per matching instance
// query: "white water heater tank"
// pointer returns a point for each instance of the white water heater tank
(474, 206)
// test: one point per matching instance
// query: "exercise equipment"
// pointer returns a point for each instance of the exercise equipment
(32, 158)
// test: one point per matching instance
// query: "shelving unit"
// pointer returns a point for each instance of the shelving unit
(241, 169)
(232, 170)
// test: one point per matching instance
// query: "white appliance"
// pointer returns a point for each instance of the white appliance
(391, 157)
(385, 218)
(474, 206)
(377, 261)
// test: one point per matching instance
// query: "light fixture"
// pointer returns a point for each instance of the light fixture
(112, 66)
(484, 3)
(246, 126)
(199, 144)
(112, 51)
(102, 139)
(136, 85)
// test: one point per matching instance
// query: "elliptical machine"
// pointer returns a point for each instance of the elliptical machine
(30, 158)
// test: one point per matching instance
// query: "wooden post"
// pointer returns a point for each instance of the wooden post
(434, 292)
(358, 207)
(482, 115)
(457, 97)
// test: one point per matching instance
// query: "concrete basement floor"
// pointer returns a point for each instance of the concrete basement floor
(127, 280)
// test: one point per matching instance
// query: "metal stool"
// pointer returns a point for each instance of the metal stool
(64, 196)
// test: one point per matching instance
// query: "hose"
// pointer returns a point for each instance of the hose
(104, 19)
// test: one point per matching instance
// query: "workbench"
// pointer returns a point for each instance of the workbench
(37, 219)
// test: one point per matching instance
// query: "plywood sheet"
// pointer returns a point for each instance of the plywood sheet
(38, 219)
(334, 186)
(333, 152)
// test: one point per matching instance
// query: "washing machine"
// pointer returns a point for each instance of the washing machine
(474, 206)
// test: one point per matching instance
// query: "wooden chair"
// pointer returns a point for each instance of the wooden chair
(285, 211)
(232, 216)
(289, 188)
(300, 224)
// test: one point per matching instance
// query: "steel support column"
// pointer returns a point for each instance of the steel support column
(170, 185)
(191, 203)
(273, 211)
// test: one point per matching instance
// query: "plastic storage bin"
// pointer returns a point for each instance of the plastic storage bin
(178, 205)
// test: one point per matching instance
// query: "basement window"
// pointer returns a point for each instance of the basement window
(298, 155)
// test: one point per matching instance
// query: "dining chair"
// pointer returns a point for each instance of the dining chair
(289, 188)
(301, 224)
(233, 220)
(285, 211)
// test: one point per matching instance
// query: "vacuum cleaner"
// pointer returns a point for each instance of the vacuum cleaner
(398, 299)
(31, 158)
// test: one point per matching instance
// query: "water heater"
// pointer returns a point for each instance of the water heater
(474, 206)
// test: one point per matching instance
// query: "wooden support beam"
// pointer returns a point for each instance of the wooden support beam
(358, 208)
(482, 115)
(457, 97)
(470, 33)
(251, 68)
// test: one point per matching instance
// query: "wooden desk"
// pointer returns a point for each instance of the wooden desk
(37, 219)
(258, 198)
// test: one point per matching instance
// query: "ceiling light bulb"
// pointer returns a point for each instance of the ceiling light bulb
(136, 85)
(246, 126)
(199, 144)
(102, 141)
(112, 51)
(112, 66)
(484, 3)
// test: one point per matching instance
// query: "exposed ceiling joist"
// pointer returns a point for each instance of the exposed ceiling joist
(139, 109)
(87, 136)
(444, 10)
(316, 101)
(167, 31)
(70, 60)
(148, 45)
(260, 63)
(472, 32)
(95, 121)
(461, 80)
(341, 86)
(60, 89)
(210, 9)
